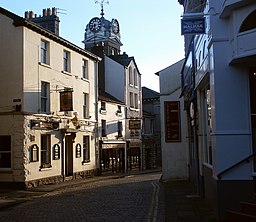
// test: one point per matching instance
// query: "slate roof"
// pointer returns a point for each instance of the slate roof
(149, 94)
(109, 98)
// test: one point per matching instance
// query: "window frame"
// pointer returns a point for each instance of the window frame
(45, 52)
(135, 77)
(86, 106)
(130, 76)
(103, 128)
(45, 97)
(119, 129)
(66, 61)
(45, 151)
(86, 149)
(3, 152)
(85, 74)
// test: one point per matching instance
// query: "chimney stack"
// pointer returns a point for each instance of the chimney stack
(49, 20)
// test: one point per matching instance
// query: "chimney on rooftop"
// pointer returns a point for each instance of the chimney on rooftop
(49, 20)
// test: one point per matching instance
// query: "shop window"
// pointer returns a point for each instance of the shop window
(86, 149)
(45, 151)
(5, 152)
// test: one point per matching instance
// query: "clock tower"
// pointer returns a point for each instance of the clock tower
(102, 35)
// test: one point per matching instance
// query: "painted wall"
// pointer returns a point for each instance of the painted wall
(174, 154)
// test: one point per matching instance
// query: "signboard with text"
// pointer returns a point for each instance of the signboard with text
(135, 124)
(172, 121)
(192, 26)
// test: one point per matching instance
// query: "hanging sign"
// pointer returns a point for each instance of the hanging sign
(192, 26)
(66, 101)
(172, 121)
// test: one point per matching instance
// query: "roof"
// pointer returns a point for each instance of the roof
(124, 60)
(149, 93)
(109, 98)
(20, 21)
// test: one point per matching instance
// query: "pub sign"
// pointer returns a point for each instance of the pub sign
(192, 26)
(66, 100)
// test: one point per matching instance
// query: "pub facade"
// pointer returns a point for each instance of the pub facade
(48, 103)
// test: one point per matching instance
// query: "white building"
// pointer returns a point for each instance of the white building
(112, 134)
(48, 103)
(173, 124)
(218, 79)
(119, 77)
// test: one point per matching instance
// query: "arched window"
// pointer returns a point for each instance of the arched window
(249, 23)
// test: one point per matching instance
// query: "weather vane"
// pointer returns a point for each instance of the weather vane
(101, 2)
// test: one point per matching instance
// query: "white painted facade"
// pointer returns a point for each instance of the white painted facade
(224, 69)
(21, 75)
(174, 154)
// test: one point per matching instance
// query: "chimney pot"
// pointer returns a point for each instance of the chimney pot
(31, 14)
(44, 12)
(26, 15)
(54, 11)
(49, 12)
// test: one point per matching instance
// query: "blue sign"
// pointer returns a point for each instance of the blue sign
(192, 26)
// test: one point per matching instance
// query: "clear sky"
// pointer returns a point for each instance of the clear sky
(150, 29)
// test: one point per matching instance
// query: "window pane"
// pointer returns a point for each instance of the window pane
(86, 148)
(85, 69)
(45, 97)
(45, 150)
(44, 52)
(5, 151)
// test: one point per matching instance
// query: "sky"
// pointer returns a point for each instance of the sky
(150, 29)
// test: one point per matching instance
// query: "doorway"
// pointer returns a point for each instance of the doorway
(69, 155)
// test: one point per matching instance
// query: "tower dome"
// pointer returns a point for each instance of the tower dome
(102, 32)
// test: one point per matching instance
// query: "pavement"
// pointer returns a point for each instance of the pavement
(180, 203)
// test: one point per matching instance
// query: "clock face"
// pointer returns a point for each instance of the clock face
(115, 26)
(95, 24)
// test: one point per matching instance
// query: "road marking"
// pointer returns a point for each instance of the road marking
(152, 215)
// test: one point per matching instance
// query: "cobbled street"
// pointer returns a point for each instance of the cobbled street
(132, 198)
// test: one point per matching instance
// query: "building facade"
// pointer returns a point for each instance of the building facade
(47, 105)
(119, 77)
(151, 130)
(173, 124)
(218, 83)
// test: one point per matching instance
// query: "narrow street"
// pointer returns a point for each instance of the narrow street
(132, 198)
